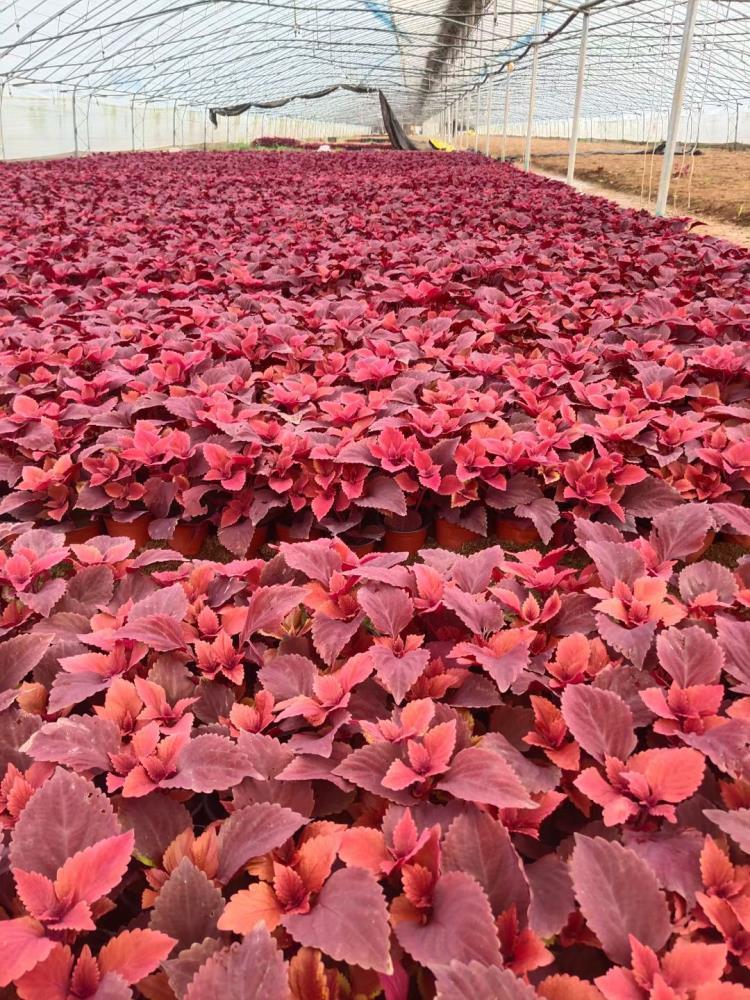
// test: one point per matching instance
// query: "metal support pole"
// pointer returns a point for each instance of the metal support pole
(132, 125)
(506, 110)
(676, 112)
(75, 122)
(579, 96)
(476, 121)
(532, 92)
(487, 119)
(2, 133)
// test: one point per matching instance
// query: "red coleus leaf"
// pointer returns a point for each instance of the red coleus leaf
(599, 720)
(459, 925)
(619, 897)
(479, 775)
(282, 734)
(63, 817)
(348, 921)
(254, 967)
(457, 980)
(188, 906)
(480, 846)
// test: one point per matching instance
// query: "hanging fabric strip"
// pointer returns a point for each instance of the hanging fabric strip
(399, 138)
(238, 109)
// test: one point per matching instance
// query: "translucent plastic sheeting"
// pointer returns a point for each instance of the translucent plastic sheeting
(426, 55)
(631, 63)
(33, 125)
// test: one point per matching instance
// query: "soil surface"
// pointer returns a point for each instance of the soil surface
(713, 187)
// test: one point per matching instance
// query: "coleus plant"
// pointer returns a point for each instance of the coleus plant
(517, 774)
(340, 377)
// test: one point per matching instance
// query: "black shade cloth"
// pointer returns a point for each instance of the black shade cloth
(399, 138)
(238, 109)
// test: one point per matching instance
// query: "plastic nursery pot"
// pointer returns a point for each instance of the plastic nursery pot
(84, 533)
(136, 529)
(361, 548)
(518, 530)
(453, 536)
(286, 533)
(410, 541)
(257, 541)
(706, 544)
(188, 537)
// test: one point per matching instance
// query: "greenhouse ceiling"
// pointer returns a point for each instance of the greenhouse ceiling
(422, 54)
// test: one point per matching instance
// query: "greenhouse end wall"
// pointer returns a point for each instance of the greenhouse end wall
(34, 126)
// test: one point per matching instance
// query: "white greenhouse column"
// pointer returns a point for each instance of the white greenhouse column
(506, 109)
(487, 118)
(579, 95)
(532, 92)
(476, 120)
(676, 112)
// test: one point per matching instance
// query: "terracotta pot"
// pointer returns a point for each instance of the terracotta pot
(453, 536)
(742, 540)
(361, 548)
(706, 544)
(257, 541)
(188, 537)
(84, 533)
(284, 533)
(404, 541)
(137, 529)
(518, 530)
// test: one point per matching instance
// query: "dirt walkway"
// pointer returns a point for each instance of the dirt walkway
(713, 187)
(711, 226)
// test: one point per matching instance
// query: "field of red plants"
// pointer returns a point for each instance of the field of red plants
(369, 623)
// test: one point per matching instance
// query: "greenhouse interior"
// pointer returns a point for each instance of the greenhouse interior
(374, 500)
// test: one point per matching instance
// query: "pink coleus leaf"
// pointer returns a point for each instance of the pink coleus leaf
(135, 954)
(479, 775)
(251, 832)
(81, 742)
(254, 967)
(481, 846)
(599, 720)
(348, 921)
(552, 898)
(680, 532)
(459, 926)
(634, 643)
(458, 980)
(94, 871)
(735, 824)
(182, 968)
(23, 945)
(690, 655)
(388, 608)
(399, 668)
(19, 656)
(619, 897)
(268, 607)
(210, 763)
(64, 816)
(188, 906)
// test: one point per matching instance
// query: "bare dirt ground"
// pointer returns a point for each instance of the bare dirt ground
(713, 187)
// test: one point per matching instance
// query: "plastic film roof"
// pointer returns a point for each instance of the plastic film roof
(422, 53)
